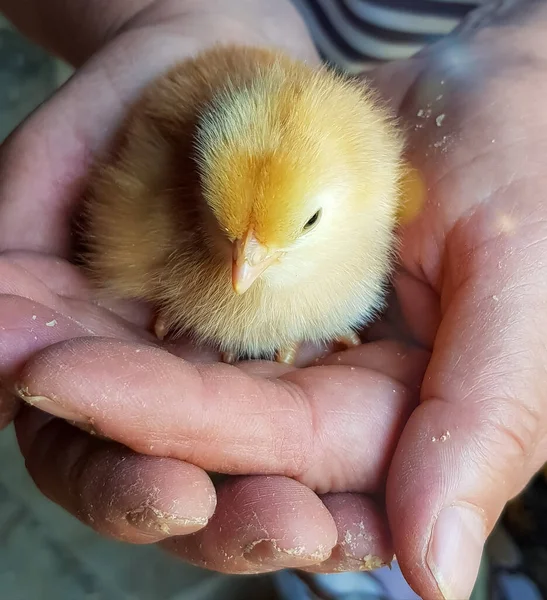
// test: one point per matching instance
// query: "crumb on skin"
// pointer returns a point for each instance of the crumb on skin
(442, 438)
(371, 563)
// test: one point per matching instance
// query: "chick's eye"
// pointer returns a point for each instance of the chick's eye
(313, 220)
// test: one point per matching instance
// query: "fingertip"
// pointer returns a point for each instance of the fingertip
(455, 550)
(121, 494)
(364, 541)
(174, 498)
(294, 527)
(401, 362)
(262, 524)
(155, 498)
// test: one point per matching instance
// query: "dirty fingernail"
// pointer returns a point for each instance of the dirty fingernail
(48, 405)
(455, 550)
(365, 563)
(268, 553)
(340, 562)
(150, 518)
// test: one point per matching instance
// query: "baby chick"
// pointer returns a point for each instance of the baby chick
(252, 200)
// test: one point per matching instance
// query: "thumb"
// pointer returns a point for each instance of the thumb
(478, 435)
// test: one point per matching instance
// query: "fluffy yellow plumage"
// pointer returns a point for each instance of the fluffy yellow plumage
(252, 199)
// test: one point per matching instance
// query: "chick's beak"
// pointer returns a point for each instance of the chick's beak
(250, 260)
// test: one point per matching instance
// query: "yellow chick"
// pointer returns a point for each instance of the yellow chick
(252, 199)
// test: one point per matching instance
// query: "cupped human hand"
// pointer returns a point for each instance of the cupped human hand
(472, 290)
(164, 492)
(138, 426)
(46, 317)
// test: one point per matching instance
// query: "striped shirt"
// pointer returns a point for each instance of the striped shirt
(355, 35)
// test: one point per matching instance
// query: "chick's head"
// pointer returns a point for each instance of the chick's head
(286, 172)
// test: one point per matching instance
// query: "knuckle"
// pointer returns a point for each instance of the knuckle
(295, 447)
(512, 429)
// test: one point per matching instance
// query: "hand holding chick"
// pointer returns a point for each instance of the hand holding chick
(484, 322)
(252, 200)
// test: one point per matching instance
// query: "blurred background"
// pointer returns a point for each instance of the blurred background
(27, 76)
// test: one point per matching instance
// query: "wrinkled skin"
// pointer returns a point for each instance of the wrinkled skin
(312, 448)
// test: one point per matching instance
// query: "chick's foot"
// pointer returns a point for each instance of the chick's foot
(351, 340)
(160, 328)
(229, 358)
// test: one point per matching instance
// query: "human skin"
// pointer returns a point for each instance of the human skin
(322, 441)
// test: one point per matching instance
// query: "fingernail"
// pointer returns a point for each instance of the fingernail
(268, 553)
(455, 551)
(342, 561)
(370, 562)
(149, 518)
(48, 405)
(352, 555)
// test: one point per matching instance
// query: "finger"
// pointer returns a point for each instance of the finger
(31, 274)
(138, 499)
(479, 434)
(188, 350)
(27, 326)
(53, 280)
(333, 428)
(419, 307)
(57, 298)
(60, 285)
(307, 355)
(44, 300)
(364, 541)
(261, 524)
(395, 360)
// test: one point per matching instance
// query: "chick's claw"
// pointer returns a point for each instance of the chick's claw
(287, 355)
(160, 328)
(229, 358)
(351, 340)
